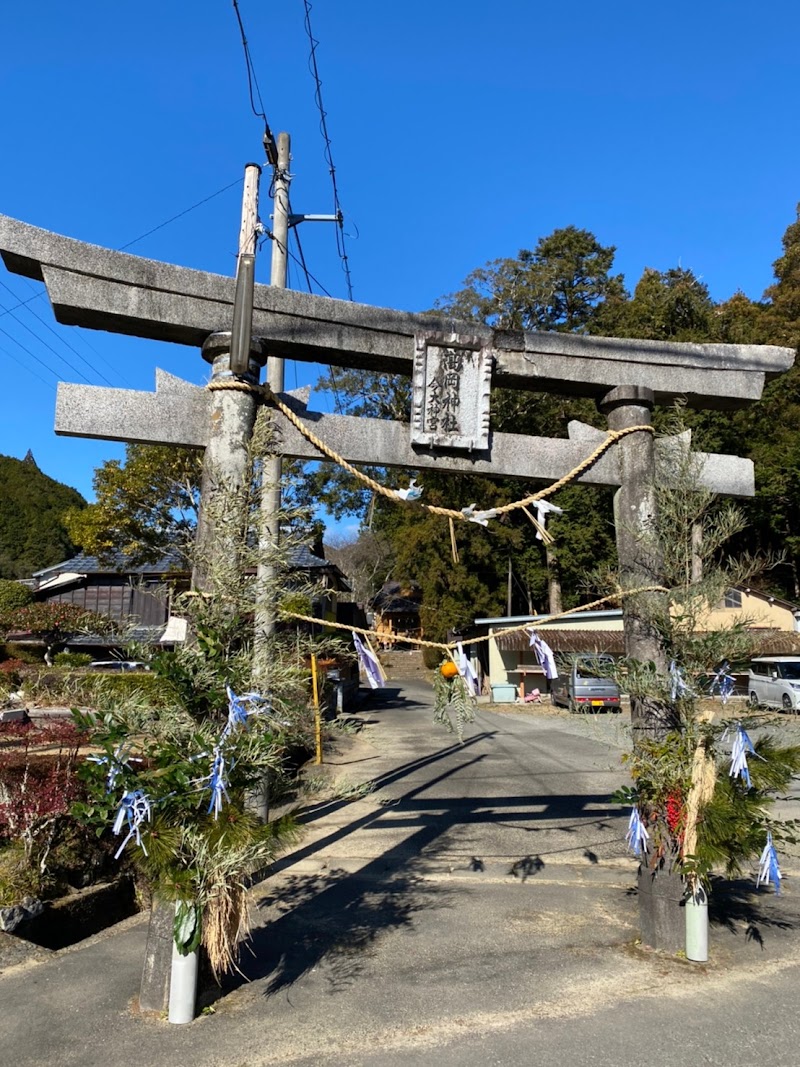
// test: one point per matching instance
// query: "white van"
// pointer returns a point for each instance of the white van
(775, 682)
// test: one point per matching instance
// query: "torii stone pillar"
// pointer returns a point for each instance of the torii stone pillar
(641, 558)
(227, 461)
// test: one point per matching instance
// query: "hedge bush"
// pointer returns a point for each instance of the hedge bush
(13, 595)
(82, 688)
(72, 659)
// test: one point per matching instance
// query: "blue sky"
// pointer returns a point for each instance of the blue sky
(461, 132)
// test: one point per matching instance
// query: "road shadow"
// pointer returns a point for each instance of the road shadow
(333, 918)
(738, 907)
(389, 698)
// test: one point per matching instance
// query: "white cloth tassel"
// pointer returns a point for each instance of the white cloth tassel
(465, 667)
(544, 654)
(543, 509)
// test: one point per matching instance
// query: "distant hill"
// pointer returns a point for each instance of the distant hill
(32, 535)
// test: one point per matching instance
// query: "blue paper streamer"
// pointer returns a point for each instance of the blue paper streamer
(678, 686)
(216, 781)
(723, 681)
(414, 491)
(741, 747)
(637, 836)
(768, 869)
(134, 808)
(117, 763)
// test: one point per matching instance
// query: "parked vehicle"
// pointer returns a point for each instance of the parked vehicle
(582, 687)
(118, 665)
(774, 682)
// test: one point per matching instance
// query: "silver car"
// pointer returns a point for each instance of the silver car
(774, 682)
(583, 686)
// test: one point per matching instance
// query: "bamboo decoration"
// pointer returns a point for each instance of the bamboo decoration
(317, 713)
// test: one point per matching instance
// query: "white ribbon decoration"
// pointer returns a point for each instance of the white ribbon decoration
(543, 508)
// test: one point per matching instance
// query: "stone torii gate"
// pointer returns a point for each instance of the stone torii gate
(453, 366)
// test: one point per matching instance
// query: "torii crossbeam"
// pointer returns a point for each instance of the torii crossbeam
(121, 293)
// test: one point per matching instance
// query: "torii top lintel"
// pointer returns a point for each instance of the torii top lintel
(105, 290)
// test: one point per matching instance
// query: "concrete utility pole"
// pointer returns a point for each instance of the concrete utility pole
(226, 466)
(269, 535)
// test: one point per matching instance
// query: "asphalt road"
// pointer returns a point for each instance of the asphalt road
(474, 904)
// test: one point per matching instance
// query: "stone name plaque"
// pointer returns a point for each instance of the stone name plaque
(451, 392)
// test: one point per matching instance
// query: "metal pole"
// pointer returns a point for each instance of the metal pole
(265, 609)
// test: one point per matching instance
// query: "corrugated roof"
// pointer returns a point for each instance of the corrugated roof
(571, 640)
(768, 642)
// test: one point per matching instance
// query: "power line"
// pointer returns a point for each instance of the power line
(55, 334)
(328, 152)
(307, 272)
(78, 335)
(33, 355)
(30, 370)
(180, 215)
(302, 261)
(41, 341)
(337, 402)
(252, 80)
(24, 303)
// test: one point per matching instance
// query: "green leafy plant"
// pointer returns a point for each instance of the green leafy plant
(189, 849)
(454, 705)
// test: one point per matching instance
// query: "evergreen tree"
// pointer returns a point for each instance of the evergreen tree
(145, 506)
(560, 285)
(32, 530)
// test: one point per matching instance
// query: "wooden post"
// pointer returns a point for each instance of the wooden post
(245, 273)
(317, 712)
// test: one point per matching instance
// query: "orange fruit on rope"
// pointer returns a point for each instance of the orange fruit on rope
(448, 669)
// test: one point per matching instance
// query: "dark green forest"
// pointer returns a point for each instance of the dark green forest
(32, 506)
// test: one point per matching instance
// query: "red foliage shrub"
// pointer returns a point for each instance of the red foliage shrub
(38, 785)
(11, 666)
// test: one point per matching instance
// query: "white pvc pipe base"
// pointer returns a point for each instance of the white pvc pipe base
(182, 986)
(697, 926)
